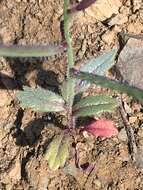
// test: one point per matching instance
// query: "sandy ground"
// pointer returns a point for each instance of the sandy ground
(24, 134)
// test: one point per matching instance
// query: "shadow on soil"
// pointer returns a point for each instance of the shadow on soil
(21, 67)
(32, 132)
(45, 79)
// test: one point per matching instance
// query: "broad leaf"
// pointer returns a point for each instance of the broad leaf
(31, 51)
(102, 128)
(107, 83)
(67, 90)
(99, 66)
(95, 105)
(40, 100)
(58, 152)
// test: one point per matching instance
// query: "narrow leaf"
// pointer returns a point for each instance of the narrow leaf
(58, 152)
(94, 105)
(107, 83)
(102, 128)
(95, 101)
(99, 66)
(40, 100)
(31, 50)
(94, 110)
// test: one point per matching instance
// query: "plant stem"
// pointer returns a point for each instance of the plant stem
(70, 60)
(68, 37)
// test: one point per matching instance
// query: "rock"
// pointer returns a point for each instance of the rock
(141, 126)
(130, 62)
(97, 184)
(139, 158)
(125, 10)
(103, 9)
(136, 5)
(127, 108)
(118, 20)
(132, 119)
(82, 49)
(136, 27)
(123, 152)
(5, 98)
(140, 144)
(140, 132)
(15, 173)
(122, 135)
(108, 37)
(31, 78)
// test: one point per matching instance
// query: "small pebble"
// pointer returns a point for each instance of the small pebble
(108, 37)
(5, 98)
(97, 184)
(122, 135)
(132, 119)
(140, 132)
(139, 159)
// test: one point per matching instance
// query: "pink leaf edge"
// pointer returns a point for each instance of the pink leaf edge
(102, 128)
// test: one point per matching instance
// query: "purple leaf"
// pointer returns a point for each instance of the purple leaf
(102, 128)
(87, 167)
(81, 6)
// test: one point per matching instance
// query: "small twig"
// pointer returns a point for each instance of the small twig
(130, 133)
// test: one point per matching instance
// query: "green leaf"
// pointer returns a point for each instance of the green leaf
(31, 50)
(94, 101)
(58, 152)
(40, 100)
(99, 66)
(94, 105)
(107, 83)
(67, 90)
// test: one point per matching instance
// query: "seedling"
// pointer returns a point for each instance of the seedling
(75, 83)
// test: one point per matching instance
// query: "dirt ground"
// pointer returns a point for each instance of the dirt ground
(24, 134)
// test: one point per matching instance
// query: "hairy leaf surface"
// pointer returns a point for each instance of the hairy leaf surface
(40, 100)
(31, 50)
(99, 66)
(96, 110)
(107, 83)
(95, 101)
(58, 152)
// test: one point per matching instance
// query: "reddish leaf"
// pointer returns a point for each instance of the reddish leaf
(102, 128)
(81, 6)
